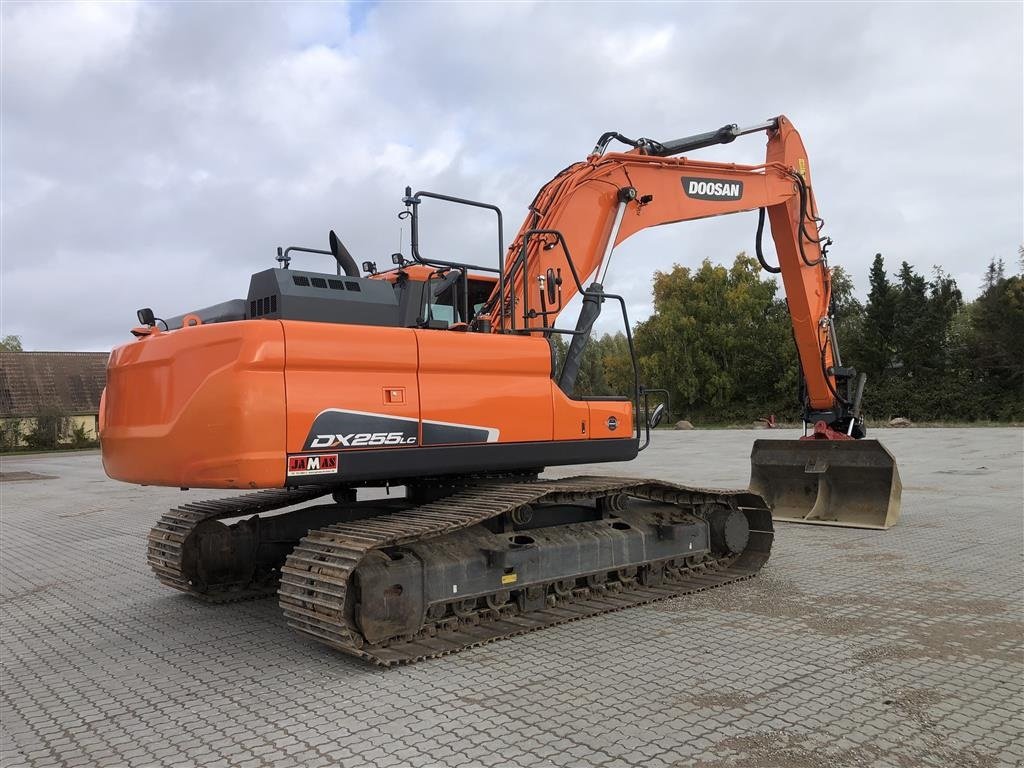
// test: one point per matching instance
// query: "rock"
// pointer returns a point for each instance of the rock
(899, 421)
(684, 425)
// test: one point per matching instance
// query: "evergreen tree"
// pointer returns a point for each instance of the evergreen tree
(876, 346)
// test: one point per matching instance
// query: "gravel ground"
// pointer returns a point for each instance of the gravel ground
(853, 648)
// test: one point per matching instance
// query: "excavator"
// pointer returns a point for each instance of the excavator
(390, 427)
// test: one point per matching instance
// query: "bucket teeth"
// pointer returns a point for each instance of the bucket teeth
(851, 483)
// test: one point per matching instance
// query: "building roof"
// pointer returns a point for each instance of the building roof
(72, 381)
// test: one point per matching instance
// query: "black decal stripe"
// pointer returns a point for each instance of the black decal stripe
(338, 422)
(409, 463)
(357, 425)
(439, 433)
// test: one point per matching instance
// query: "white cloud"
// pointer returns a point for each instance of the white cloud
(156, 154)
(50, 45)
(633, 47)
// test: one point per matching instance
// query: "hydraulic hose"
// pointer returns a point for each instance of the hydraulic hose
(757, 245)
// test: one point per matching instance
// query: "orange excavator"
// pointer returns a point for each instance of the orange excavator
(440, 377)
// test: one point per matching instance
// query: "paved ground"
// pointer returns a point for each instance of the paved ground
(860, 648)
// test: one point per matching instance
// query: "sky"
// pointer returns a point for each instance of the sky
(156, 154)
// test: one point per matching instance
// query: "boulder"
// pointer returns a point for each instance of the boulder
(899, 421)
(684, 425)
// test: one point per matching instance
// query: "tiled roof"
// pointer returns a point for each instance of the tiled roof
(71, 381)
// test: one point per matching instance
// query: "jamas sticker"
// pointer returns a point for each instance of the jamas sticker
(314, 464)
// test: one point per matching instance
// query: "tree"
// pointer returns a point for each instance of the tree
(617, 364)
(11, 344)
(49, 427)
(10, 433)
(875, 348)
(606, 368)
(911, 330)
(847, 315)
(995, 272)
(720, 341)
(844, 302)
(996, 348)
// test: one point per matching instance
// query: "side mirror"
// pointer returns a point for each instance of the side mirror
(656, 416)
(550, 280)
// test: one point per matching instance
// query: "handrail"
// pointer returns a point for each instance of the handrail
(286, 260)
(520, 263)
(412, 201)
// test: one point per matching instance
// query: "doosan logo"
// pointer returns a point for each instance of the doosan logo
(712, 189)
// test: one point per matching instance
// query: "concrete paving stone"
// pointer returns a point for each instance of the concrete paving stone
(102, 663)
(492, 759)
(390, 761)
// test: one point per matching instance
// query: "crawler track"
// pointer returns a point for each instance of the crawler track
(316, 598)
(166, 543)
(315, 586)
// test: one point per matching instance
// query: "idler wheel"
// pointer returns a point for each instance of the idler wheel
(730, 531)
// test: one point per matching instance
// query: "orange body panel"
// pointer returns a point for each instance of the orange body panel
(222, 405)
(202, 406)
(347, 366)
(571, 417)
(499, 382)
(610, 418)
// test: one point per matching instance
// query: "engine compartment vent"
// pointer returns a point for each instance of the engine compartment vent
(264, 306)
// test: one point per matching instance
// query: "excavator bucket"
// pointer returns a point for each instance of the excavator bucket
(852, 483)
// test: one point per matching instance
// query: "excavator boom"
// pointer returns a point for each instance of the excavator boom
(580, 216)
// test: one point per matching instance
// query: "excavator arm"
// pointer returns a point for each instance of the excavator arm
(578, 218)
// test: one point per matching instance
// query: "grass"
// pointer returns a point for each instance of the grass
(25, 451)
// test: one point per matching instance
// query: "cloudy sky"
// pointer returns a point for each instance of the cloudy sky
(155, 154)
